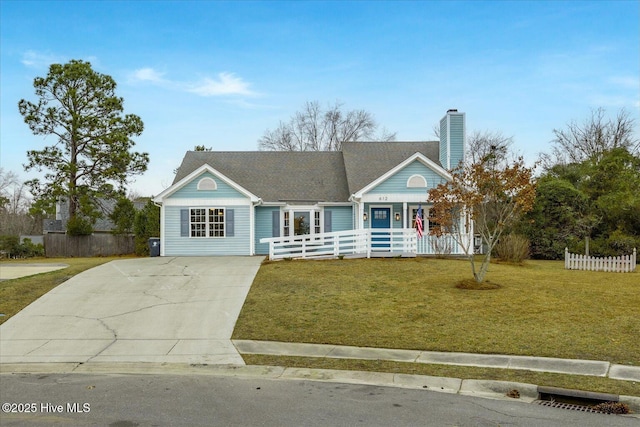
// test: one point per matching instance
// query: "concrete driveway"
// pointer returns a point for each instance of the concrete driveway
(13, 271)
(164, 309)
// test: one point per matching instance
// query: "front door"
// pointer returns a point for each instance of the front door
(380, 218)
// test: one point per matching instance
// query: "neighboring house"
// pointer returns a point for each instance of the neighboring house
(102, 225)
(225, 203)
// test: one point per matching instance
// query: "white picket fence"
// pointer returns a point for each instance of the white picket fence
(620, 264)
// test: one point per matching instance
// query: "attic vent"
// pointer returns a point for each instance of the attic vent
(207, 184)
(416, 181)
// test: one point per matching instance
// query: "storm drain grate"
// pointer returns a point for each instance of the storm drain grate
(570, 406)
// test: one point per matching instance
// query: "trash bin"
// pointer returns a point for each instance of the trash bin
(154, 246)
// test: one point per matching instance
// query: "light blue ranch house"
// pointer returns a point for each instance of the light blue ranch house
(361, 201)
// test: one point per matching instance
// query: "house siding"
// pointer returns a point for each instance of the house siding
(264, 227)
(456, 139)
(397, 183)
(190, 190)
(341, 217)
(444, 142)
(174, 245)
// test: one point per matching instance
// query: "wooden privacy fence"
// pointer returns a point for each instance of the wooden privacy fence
(62, 245)
(620, 264)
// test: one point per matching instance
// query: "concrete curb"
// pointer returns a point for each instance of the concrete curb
(497, 361)
(633, 402)
(499, 389)
(423, 382)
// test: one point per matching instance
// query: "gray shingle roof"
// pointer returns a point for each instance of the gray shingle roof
(307, 176)
(364, 162)
(292, 176)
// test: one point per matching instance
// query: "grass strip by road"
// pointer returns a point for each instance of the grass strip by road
(579, 382)
(16, 294)
(540, 309)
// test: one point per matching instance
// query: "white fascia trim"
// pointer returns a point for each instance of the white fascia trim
(335, 204)
(162, 230)
(417, 156)
(395, 198)
(204, 168)
(252, 230)
(207, 202)
(319, 204)
(301, 207)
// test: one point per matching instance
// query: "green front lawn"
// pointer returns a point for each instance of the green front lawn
(539, 310)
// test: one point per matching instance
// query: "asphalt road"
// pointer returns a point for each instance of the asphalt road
(189, 400)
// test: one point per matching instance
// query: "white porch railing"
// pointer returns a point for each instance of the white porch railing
(443, 245)
(359, 242)
(621, 264)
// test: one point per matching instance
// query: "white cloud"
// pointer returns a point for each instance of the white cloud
(614, 101)
(226, 84)
(40, 60)
(148, 75)
(626, 81)
(33, 59)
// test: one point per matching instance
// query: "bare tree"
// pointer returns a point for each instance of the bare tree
(596, 135)
(13, 193)
(8, 179)
(488, 145)
(14, 206)
(315, 129)
(483, 144)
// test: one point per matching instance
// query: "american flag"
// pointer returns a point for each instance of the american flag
(419, 226)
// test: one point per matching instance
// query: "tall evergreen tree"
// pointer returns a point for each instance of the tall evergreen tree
(91, 158)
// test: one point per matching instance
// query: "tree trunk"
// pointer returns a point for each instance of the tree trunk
(484, 267)
(586, 245)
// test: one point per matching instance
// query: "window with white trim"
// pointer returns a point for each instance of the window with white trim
(301, 223)
(316, 215)
(298, 221)
(207, 183)
(426, 223)
(206, 222)
(216, 222)
(416, 181)
(286, 223)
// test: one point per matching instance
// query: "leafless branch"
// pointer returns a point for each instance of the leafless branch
(597, 134)
(316, 129)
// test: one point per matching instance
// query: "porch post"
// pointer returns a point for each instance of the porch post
(405, 215)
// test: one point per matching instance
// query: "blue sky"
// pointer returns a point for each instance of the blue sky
(220, 73)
